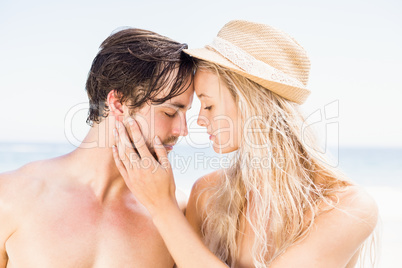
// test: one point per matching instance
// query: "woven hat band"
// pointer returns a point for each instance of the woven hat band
(251, 65)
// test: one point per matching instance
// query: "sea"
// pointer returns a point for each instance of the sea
(367, 166)
(378, 170)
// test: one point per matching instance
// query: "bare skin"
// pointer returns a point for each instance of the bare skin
(77, 211)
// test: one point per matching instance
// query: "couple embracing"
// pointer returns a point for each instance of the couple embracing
(117, 206)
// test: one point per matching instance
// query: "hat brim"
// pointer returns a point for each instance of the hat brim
(292, 93)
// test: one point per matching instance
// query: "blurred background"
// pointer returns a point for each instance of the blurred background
(47, 47)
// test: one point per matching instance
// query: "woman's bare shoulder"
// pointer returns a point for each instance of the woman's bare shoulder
(356, 202)
(337, 232)
(355, 210)
(207, 182)
(202, 189)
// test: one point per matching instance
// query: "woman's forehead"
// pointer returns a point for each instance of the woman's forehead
(205, 82)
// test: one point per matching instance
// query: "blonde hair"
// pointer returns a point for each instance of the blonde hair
(280, 200)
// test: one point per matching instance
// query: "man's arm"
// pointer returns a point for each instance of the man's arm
(3, 255)
(12, 192)
(5, 216)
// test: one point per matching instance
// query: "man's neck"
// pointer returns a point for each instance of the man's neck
(92, 163)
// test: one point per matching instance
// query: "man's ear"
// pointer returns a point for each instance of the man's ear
(115, 106)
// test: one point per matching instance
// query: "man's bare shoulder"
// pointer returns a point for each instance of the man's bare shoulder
(19, 192)
(23, 181)
(28, 181)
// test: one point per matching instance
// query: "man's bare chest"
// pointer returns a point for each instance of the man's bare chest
(80, 233)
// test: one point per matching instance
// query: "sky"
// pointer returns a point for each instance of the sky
(47, 47)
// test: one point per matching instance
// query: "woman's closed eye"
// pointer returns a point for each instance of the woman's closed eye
(208, 107)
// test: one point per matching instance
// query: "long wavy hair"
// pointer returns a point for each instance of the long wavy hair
(277, 182)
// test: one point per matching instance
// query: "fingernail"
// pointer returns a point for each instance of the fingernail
(114, 132)
(131, 121)
(114, 148)
(157, 140)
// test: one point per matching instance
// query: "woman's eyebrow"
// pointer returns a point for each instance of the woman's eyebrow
(203, 95)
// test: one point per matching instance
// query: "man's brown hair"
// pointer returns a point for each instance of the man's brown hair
(137, 64)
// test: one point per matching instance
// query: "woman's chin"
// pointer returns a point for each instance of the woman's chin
(224, 149)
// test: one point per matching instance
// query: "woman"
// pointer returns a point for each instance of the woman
(278, 204)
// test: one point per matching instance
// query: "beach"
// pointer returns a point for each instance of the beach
(378, 170)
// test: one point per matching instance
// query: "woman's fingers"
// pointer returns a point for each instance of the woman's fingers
(118, 156)
(119, 145)
(138, 139)
(119, 164)
(161, 153)
(150, 181)
(125, 147)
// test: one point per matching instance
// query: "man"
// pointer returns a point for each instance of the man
(75, 210)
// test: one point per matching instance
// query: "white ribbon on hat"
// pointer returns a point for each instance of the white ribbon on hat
(251, 65)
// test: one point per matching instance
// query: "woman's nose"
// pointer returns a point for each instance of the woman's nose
(202, 121)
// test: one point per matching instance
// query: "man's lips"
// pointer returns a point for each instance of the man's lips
(169, 147)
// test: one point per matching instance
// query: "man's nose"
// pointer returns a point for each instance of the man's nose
(180, 125)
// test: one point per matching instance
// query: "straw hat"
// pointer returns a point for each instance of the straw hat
(263, 54)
